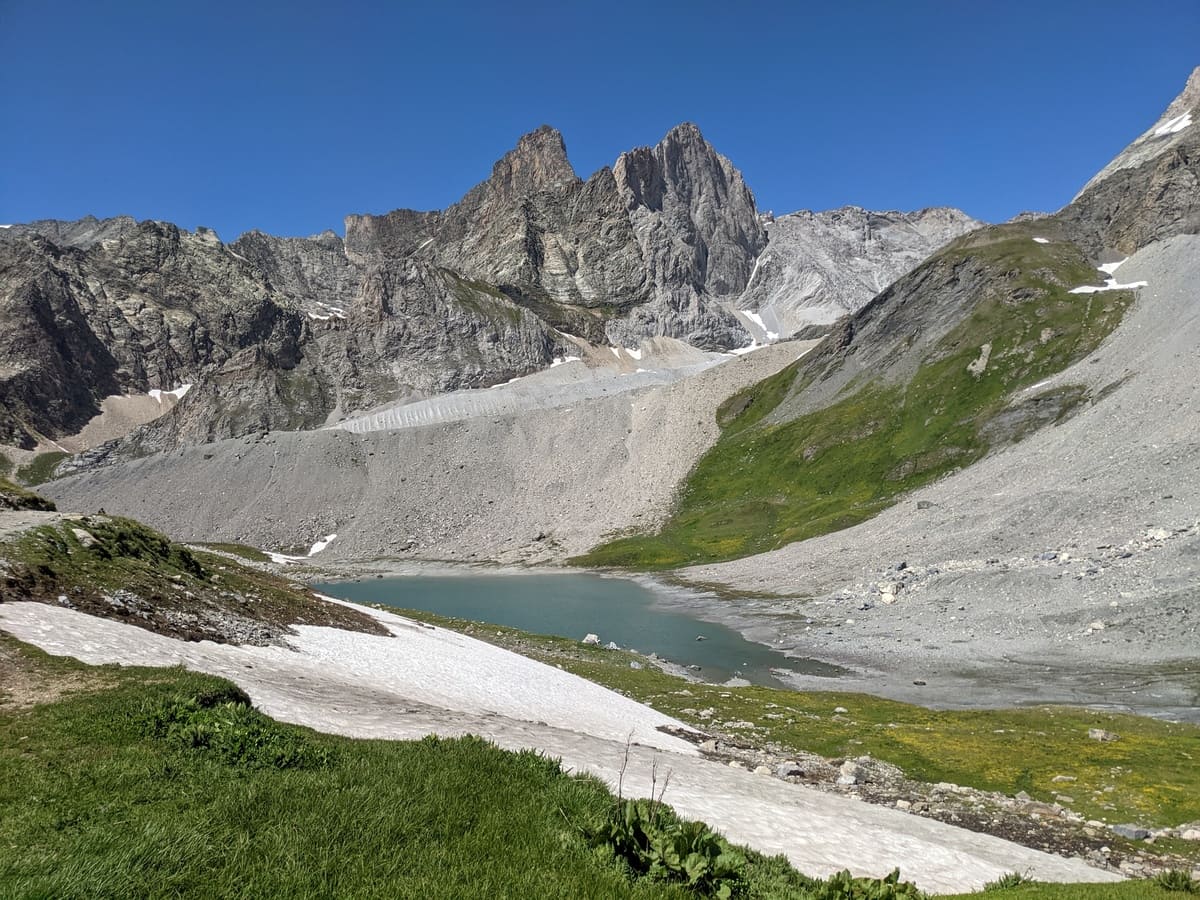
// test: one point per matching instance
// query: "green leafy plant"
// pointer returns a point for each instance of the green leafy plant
(225, 725)
(1177, 880)
(1006, 881)
(844, 886)
(653, 845)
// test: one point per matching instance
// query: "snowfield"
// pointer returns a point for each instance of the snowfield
(425, 680)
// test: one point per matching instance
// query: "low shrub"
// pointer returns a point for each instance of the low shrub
(844, 886)
(652, 844)
(222, 723)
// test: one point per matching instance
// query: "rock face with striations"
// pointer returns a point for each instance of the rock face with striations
(1151, 190)
(699, 234)
(159, 307)
(820, 266)
(653, 247)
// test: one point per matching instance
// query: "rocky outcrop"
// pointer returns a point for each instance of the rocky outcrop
(699, 234)
(820, 266)
(149, 309)
(314, 273)
(281, 336)
(1151, 191)
(82, 233)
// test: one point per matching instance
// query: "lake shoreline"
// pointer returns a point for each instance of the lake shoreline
(935, 675)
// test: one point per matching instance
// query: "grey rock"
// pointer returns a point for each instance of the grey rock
(1132, 832)
(1150, 191)
(852, 772)
(289, 333)
(820, 266)
(1099, 734)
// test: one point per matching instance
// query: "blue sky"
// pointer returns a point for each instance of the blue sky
(287, 116)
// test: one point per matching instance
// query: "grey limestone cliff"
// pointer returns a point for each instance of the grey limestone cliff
(820, 266)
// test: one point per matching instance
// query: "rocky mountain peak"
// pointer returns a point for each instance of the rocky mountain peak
(1177, 125)
(1150, 191)
(538, 162)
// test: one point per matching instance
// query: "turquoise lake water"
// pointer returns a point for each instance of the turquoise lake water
(574, 605)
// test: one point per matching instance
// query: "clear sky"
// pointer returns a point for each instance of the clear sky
(285, 116)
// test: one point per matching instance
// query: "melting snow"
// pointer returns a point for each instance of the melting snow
(426, 244)
(321, 544)
(563, 360)
(757, 261)
(1041, 241)
(615, 352)
(636, 354)
(178, 393)
(749, 348)
(757, 319)
(1175, 126)
(1110, 283)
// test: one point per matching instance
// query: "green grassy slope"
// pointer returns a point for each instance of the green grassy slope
(769, 483)
(164, 783)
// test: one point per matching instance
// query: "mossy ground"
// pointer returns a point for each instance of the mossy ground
(166, 587)
(13, 496)
(41, 468)
(766, 484)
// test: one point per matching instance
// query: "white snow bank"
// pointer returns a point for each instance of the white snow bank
(636, 353)
(1110, 283)
(321, 544)
(426, 680)
(1041, 241)
(5, 226)
(1175, 126)
(757, 319)
(419, 680)
(562, 360)
(178, 393)
(749, 348)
